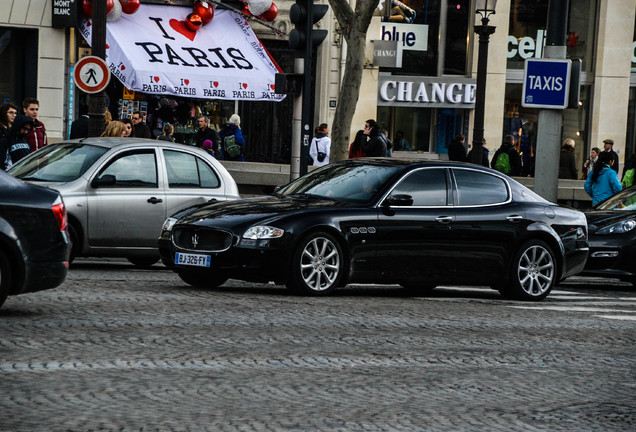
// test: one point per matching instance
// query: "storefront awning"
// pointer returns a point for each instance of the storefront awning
(152, 51)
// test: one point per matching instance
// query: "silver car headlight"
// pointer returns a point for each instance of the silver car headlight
(618, 228)
(263, 232)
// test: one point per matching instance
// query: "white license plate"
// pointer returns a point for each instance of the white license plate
(192, 259)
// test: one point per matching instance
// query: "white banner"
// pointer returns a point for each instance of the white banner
(152, 51)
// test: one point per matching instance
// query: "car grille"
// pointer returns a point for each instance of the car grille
(200, 239)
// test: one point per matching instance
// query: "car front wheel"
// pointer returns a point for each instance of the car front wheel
(317, 265)
(533, 272)
(5, 277)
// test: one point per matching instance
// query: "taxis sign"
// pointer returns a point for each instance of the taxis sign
(546, 83)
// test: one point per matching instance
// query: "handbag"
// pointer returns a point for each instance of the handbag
(321, 156)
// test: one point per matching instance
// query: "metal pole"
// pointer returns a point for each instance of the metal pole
(97, 101)
(484, 31)
(546, 171)
(306, 98)
(296, 125)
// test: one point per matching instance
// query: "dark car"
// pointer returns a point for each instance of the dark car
(612, 231)
(34, 242)
(386, 221)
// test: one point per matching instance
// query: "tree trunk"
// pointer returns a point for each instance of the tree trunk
(354, 28)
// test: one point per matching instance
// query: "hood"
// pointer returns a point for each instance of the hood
(19, 121)
(597, 219)
(247, 211)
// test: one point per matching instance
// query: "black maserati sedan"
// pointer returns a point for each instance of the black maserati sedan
(612, 231)
(34, 241)
(419, 224)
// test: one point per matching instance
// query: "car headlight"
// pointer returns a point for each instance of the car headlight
(263, 232)
(618, 228)
(168, 224)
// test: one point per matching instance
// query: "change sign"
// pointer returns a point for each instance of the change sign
(546, 83)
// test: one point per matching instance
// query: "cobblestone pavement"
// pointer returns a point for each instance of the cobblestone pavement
(118, 348)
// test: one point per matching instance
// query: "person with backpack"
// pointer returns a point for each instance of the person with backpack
(232, 141)
(603, 182)
(506, 159)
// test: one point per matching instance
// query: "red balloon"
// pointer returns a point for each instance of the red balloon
(193, 22)
(271, 13)
(130, 6)
(87, 7)
(205, 12)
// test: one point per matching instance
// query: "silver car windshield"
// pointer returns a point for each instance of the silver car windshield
(58, 162)
(625, 200)
(349, 183)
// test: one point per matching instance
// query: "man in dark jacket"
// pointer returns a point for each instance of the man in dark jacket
(514, 159)
(608, 146)
(457, 150)
(376, 146)
(207, 133)
(140, 129)
(567, 161)
(37, 135)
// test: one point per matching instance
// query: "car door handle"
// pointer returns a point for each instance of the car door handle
(515, 218)
(444, 219)
(154, 200)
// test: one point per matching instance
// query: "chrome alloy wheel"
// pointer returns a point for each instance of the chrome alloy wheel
(536, 270)
(320, 263)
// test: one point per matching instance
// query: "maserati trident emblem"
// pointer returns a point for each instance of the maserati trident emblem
(195, 240)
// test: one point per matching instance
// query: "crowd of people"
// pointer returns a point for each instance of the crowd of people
(20, 134)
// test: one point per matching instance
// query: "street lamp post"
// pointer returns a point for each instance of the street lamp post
(485, 8)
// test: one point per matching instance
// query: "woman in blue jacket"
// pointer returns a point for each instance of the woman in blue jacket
(233, 142)
(604, 182)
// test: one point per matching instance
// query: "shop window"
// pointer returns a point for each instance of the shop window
(528, 22)
(521, 123)
(458, 14)
(19, 55)
(414, 123)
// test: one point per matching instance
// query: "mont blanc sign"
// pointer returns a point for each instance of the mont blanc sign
(426, 92)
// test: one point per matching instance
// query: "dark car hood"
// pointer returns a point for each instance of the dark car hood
(250, 210)
(597, 219)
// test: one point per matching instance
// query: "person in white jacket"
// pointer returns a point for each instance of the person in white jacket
(320, 147)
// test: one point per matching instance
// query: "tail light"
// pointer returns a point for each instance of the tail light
(59, 210)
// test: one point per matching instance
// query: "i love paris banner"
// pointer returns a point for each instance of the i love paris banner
(153, 51)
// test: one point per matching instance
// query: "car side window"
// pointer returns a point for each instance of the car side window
(426, 186)
(133, 169)
(188, 171)
(479, 188)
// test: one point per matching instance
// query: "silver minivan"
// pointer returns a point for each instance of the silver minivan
(119, 191)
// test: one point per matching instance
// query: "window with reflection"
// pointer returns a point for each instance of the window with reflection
(135, 169)
(426, 186)
(478, 188)
(188, 171)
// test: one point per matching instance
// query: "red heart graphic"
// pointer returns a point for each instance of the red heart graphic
(156, 79)
(123, 67)
(180, 26)
(107, 46)
(88, 24)
(244, 85)
(272, 86)
(186, 81)
(216, 83)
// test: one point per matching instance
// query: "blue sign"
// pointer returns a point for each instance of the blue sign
(546, 83)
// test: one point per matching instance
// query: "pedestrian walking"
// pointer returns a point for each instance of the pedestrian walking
(114, 129)
(457, 149)
(608, 147)
(232, 140)
(168, 132)
(18, 138)
(506, 159)
(376, 146)
(320, 147)
(355, 149)
(140, 128)
(567, 160)
(128, 125)
(484, 155)
(8, 112)
(37, 136)
(603, 182)
(588, 165)
(205, 132)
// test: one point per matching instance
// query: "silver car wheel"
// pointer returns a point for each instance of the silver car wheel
(320, 264)
(536, 270)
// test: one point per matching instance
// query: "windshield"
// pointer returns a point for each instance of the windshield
(58, 162)
(349, 183)
(625, 200)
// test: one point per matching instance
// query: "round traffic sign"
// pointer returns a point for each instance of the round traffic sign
(91, 74)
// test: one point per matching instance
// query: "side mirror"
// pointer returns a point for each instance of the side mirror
(399, 200)
(105, 180)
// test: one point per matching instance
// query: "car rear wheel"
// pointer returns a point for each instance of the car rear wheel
(533, 272)
(317, 265)
(143, 261)
(74, 243)
(5, 277)
(203, 280)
